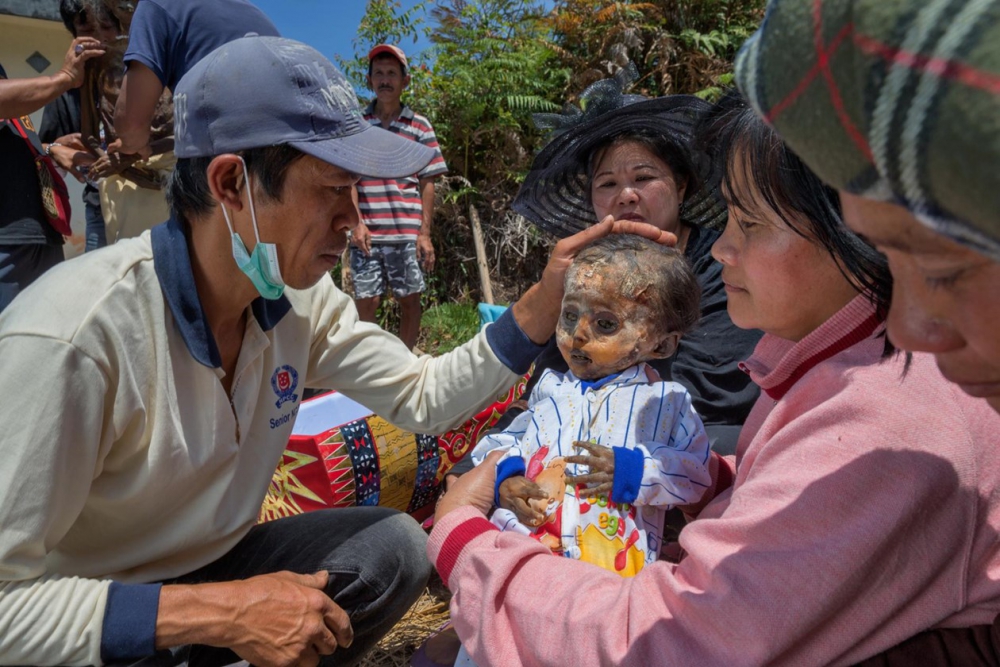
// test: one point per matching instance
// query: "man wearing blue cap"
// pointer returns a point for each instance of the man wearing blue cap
(150, 390)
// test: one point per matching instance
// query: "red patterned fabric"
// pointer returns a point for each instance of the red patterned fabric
(368, 461)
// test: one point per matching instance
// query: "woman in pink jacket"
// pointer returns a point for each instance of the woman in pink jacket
(842, 525)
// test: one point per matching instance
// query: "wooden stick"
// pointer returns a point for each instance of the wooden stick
(346, 279)
(484, 269)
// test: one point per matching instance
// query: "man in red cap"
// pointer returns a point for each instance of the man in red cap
(392, 245)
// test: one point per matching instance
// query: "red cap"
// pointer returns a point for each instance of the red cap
(393, 51)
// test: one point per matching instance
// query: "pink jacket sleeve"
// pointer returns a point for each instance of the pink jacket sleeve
(832, 547)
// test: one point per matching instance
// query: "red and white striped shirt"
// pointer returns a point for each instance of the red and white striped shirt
(392, 207)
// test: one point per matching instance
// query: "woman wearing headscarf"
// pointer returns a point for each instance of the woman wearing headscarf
(841, 528)
(896, 103)
(634, 158)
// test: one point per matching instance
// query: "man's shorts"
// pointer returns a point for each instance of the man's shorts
(392, 263)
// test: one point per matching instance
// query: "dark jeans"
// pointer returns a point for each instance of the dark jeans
(376, 559)
(978, 646)
(95, 233)
(21, 265)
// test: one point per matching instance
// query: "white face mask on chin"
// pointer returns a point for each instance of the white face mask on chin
(261, 266)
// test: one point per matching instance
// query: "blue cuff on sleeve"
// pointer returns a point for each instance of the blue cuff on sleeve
(129, 630)
(507, 468)
(511, 345)
(628, 475)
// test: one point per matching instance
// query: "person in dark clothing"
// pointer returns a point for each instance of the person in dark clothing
(29, 245)
(62, 117)
(166, 39)
(638, 162)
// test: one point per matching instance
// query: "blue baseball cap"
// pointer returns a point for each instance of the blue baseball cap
(266, 91)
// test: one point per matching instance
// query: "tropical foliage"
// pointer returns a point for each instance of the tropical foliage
(494, 62)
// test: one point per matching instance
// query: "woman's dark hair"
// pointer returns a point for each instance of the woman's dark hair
(735, 133)
(71, 10)
(660, 145)
(658, 276)
(190, 197)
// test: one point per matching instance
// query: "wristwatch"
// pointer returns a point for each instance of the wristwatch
(48, 149)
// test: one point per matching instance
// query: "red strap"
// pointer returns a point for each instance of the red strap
(17, 125)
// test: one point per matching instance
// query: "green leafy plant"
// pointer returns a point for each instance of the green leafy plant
(493, 63)
(446, 326)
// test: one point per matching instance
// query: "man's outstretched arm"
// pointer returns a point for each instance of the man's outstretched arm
(20, 97)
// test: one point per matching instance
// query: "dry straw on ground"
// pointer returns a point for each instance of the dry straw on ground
(424, 618)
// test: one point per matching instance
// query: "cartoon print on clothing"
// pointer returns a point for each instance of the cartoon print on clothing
(664, 437)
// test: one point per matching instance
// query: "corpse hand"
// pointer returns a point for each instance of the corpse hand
(516, 494)
(110, 164)
(287, 619)
(600, 461)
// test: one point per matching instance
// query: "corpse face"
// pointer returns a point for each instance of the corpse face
(603, 328)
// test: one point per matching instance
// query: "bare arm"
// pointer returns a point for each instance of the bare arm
(20, 97)
(272, 619)
(427, 205)
(140, 92)
(425, 248)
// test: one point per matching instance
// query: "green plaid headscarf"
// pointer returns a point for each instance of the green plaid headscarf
(894, 100)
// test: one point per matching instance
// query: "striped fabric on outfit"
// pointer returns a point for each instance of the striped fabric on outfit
(392, 208)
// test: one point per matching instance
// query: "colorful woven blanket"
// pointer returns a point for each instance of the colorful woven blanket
(341, 455)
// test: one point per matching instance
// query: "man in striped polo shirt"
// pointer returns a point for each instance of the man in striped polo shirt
(393, 242)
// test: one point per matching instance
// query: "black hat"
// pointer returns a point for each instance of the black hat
(556, 193)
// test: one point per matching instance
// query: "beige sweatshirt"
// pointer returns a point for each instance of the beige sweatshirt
(123, 457)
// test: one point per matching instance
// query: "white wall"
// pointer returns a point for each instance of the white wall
(19, 38)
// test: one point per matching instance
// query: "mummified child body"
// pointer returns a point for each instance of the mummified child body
(602, 451)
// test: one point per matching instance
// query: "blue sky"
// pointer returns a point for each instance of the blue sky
(327, 25)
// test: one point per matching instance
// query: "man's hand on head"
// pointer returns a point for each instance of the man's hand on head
(269, 620)
(538, 310)
(566, 250)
